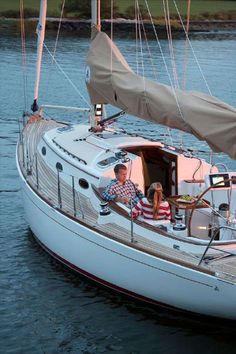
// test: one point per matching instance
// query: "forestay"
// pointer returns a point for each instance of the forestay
(110, 80)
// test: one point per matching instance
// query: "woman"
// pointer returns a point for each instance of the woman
(153, 206)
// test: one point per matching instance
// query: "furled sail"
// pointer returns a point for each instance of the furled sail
(110, 80)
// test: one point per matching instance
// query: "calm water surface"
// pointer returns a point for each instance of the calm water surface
(45, 308)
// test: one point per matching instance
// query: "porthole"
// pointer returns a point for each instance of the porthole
(44, 151)
(59, 166)
(83, 183)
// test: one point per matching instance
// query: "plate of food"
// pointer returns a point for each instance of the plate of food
(186, 198)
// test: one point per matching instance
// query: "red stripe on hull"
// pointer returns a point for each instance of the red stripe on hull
(117, 288)
(104, 282)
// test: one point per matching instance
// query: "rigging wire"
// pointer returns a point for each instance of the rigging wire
(190, 44)
(56, 41)
(159, 44)
(111, 63)
(186, 44)
(181, 134)
(66, 76)
(162, 54)
(24, 66)
(166, 67)
(58, 30)
(141, 46)
(136, 36)
(172, 55)
(148, 47)
(170, 42)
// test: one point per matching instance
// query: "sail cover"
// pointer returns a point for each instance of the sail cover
(110, 80)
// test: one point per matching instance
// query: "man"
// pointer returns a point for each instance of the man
(121, 189)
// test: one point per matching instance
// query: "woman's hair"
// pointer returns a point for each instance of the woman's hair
(154, 196)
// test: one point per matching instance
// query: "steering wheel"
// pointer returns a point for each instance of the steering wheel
(203, 202)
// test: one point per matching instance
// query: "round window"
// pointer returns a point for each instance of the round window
(59, 166)
(83, 183)
(44, 151)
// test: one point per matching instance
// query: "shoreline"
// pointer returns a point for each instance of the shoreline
(122, 27)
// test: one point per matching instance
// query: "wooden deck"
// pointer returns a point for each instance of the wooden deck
(87, 215)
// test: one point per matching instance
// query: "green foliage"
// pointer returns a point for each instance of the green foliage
(200, 9)
(16, 14)
(83, 8)
(130, 12)
(10, 14)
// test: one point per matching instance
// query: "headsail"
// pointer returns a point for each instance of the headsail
(110, 80)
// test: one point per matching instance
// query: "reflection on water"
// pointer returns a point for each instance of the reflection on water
(46, 308)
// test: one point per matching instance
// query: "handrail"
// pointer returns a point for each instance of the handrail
(199, 198)
(226, 170)
(212, 238)
(219, 164)
(65, 108)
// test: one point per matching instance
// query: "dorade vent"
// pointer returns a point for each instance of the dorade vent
(107, 162)
(44, 151)
(65, 129)
(83, 183)
(59, 167)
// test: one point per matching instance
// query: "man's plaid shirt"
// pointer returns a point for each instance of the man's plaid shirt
(128, 189)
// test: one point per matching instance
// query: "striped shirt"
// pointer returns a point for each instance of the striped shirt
(146, 209)
(128, 189)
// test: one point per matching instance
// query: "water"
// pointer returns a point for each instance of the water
(46, 309)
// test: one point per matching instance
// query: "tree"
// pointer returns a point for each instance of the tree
(130, 12)
(83, 8)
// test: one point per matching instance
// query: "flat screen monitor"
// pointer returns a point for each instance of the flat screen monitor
(221, 179)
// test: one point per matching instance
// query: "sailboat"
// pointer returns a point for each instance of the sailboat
(186, 264)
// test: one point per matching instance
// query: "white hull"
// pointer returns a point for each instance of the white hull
(124, 268)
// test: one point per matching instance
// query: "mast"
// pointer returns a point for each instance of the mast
(41, 34)
(96, 22)
(96, 16)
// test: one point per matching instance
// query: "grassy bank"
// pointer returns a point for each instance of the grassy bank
(200, 9)
(13, 5)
